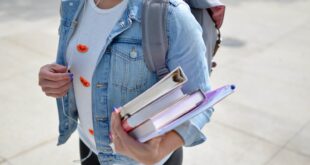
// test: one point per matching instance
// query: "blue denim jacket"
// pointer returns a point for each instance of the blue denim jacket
(119, 77)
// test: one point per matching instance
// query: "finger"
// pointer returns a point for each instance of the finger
(119, 147)
(57, 95)
(117, 127)
(118, 144)
(56, 76)
(115, 124)
(58, 68)
(62, 89)
(57, 92)
(53, 95)
(127, 141)
(46, 73)
(53, 84)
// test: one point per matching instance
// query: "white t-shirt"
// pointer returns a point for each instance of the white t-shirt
(92, 32)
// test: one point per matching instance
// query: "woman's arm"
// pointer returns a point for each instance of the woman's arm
(150, 152)
(187, 49)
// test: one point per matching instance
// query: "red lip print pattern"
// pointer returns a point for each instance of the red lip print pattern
(91, 131)
(82, 48)
(84, 82)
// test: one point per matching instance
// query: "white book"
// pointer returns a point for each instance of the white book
(168, 83)
(152, 109)
(169, 114)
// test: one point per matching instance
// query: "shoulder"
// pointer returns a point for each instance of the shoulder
(176, 2)
(178, 5)
(179, 11)
(180, 19)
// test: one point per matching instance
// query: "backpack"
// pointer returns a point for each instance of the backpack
(209, 14)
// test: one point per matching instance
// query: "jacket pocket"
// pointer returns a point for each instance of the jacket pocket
(129, 73)
(128, 68)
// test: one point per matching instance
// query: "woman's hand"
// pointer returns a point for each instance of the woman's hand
(54, 80)
(147, 153)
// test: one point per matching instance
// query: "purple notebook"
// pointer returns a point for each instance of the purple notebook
(211, 98)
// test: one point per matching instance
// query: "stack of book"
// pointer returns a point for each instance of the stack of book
(164, 106)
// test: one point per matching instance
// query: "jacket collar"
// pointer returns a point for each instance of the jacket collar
(135, 9)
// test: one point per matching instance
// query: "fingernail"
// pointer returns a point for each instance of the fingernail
(71, 76)
(116, 110)
(110, 135)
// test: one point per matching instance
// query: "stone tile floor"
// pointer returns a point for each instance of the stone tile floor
(265, 53)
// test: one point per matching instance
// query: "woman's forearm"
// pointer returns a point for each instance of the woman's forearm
(171, 142)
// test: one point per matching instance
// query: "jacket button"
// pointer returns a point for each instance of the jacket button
(91, 131)
(131, 15)
(101, 85)
(122, 24)
(133, 53)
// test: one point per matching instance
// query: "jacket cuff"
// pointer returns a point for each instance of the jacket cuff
(190, 131)
(190, 134)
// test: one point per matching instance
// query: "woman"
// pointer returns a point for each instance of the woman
(100, 66)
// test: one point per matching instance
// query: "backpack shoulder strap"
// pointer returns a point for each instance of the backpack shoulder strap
(154, 37)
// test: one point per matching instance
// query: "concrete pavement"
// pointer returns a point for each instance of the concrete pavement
(265, 53)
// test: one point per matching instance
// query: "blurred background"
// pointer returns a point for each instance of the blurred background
(265, 53)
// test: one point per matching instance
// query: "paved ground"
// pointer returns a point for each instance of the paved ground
(266, 53)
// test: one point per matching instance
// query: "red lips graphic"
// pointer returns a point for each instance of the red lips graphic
(82, 48)
(91, 131)
(84, 82)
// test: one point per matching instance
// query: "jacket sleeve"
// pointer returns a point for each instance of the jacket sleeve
(187, 49)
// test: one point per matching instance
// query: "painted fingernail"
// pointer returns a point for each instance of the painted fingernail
(116, 110)
(110, 135)
(71, 76)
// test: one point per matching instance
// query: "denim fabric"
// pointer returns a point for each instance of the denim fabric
(120, 77)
